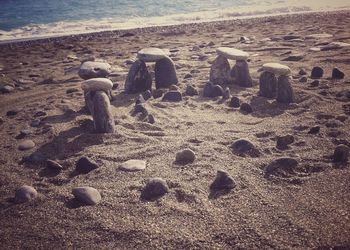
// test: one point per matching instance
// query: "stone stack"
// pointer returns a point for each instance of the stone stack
(221, 72)
(274, 83)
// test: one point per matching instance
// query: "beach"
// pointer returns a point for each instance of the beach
(302, 207)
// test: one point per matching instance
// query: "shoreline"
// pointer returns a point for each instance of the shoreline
(173, 28)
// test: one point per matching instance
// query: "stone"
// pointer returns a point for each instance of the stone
(335, 46)
(151, 119)
(147, 95)
(97, 84)
(71, 90)
(280, 164)
(185, 156)
(337, 74)
(33, 159)
(284, 141)
(216, 91)
(101, 113)
(277, 68)
(220, 71)
(222, 181)
(84, 165)
(151, 54)
(234, 102)
(187, 76)
(12, 112)
(133, 165)
(246, 108)
(53, 165)
(138, 79)
(35, 123)
(315, 83)
(90, 70)
(241, 75)
(139, 108)
(6, 89)
(268, 85)
(231, 53)
(291, 37)
(40, 113)
(172, 96)
(173, 87)
(26, 145)
(207, 90)
(303, 79)
(319, 36)
(285, 92)
(227, 93)
(341, 153)
(157, 93)
(191, 90)
(154, 189)
(317, 72)
(87, 195)
(25, 194)
(314, 130)
(243, 147)
(294, 58)
(302, 72)
(165, 73)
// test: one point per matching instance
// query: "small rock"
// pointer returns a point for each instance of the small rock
(40, 113)
(246, 108)
(315, 83)
(90, 70)
(333, 123)
(317, 72)
(191, 91)
(314, 130)
(187, 76)
(25, 194)
(84, 165)
(6, 89)
(147, 95)
(303, 79)
(35, 123)
(172, 96)
(133, 165)
(53, 165)
(227, 93)
(26, 145)
(244, 147)
(173, 87)
(341, 153)
(34, 159)
(222, 181)
(284, 141)
(185, 156)
(72, 90)
(234, 103)
(151, 119)
(12, 112)
(154, 189)
(281, 164)
(293, 58)
(87, 195)
(337, 74)
(139, 108)
(302, 72)
(157, 93)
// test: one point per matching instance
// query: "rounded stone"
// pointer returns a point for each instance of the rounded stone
(151, 54)
(191, 91)
(185, 156)
(232, 53)
(87, 195)
(281, 164)
(244, 147)
(133, 165)
(246, 108)
(216, 91)
(138, 79)
(25, 194)
(97, 84)
(90, 70)
(284, 141)
(154, 189)
(234, 102)
(172, 96)
(277, 68)
(317, 72)
(240, 74)
(84, 165)
(337, 74)
(26, 145)
(207, 90)
(341, 153)
(165, 73)
(285, 93)
(222, 181)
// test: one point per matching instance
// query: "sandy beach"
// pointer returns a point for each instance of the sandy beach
(306, 206)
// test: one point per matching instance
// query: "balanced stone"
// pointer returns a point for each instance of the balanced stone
(241, 75)
(172, 96)
(26, 144)
(285, 92)
(231, 53)
(90, 70)
(84, 165)
(220, 71)
(151, 54)
(207, 89)
(96, 84)
(138, 79)
(25, 194)
(87, 195)
(154, 189)
(277, 68)
(165, 73)
(223, 181)
(341, 153)
(185, 156)
(133, 165)
(267, 85)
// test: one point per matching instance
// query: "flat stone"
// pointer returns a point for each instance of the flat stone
(231, 53)
(172, 96)
(277, 68)
(6, 89)
(222, 181)
(87, 195)
(84, 165)
(138, 79)
(284, 141)
(154, 189)
(25, 193)
(97, 84)
(280, 164)
(90, 70)
(26, 145)
(319, 36)
(133, 165)
(315, 49)
(185, 156)
(151, 54)
(334, 46)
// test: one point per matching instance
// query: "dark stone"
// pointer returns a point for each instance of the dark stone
(36, 123)
(293, 58)
(234, 103)
(165, 73)
(139, 108)
(315, 83)
(6, 89)
(187, 76)
(220, 71)
(72, 90)
(217, 91)
(207, 90)
(341, 153)
(154, 189)
(314, 130)
(172, 96)
(285, 92)
(337, 74)
(246, 108)
(157, 93)
(151, 119)
(291, 37)
(268, 85)
(191, 91)
(226, 94)
(222, 181)
(284, 141)
(53, 165)
(84, 165)
(138, 79)
(244, 147)
(241, 74)
(303, 79)
(12, 112)
(40, 113)
(317, 72)
(147, 95)
(283, 164)
(302, 72)
(34, 159)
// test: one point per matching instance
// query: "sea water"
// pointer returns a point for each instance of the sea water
(28, 19)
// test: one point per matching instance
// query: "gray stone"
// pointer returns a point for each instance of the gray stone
(165, 73)
(284, 141)
(277, 68)
(96, 84)
(154, 189)
(234, 103)
(341, 153)
(207, 90)
(244, 147)
(267, 85)
(319, 36)
(90, 70)
(281, 164)
(172, 96)
(246, 108)
(240, 72)
(285, 92)
(303, 79)
(216, 91)
(139, 108)
(133, 165)
(227, 93)
(138, 79)
(220, 71)
(151, 54)
(231, 53)
(101, 113)
(87, 195)
(53, 165)
(222, 181)
(302, 72)
(157, 93)
(35, 123)
(147, 95)
(185, 156)
(26, 145)
(317, 72)
(25, 193)
(6, 89)
(84, 165)
(314, 130)
(191, 91)
(337, 74)
(151, 119)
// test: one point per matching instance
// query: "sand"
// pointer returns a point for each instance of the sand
(306, 207)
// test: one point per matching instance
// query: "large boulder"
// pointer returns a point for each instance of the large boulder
(90, 70)
(267, 85)
(220, 71)
(138, 79)
(165, 73)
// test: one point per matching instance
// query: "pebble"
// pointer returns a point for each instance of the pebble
(25, 194)
(139, 108)
(157, 93)
(191, 90)
(40, 113)
(243, 147)
(337, 74)
(12, 112)
(72, 90)
(281, 163)
(314, 130)
(302, 72)
(185, 156)
(133, 165)
(6, 89)
(234, 102)
(151, 119)
(246, 108)
(84, 165)
(87, 195)
(277, 68)
(154, 189)
(222, 181)
(35, 123)
(317, 72)
(34, 158)
(341, 153)
(303, 79)
(53, 165)
(284, 141)
(187, 76)
(172, 96)
(23, 133)
(91, 69)
(96, 84)
(26, 145)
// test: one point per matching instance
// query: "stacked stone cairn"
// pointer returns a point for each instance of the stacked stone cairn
(274, 83)
(97, 92)
(140, 80)
(221, 72)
